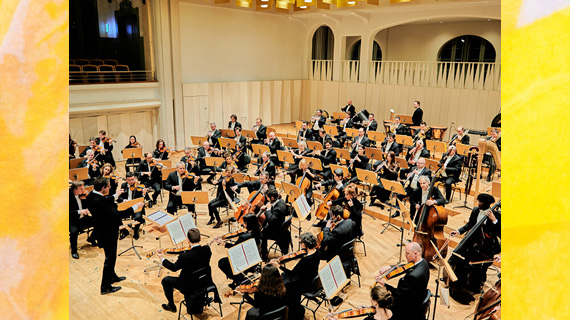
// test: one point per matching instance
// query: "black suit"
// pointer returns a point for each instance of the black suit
(270, 168)
(453, 171)
(274, 146)
(402, 129)
(134, 195)
(307, 134)
(424, 153)
(273, 221)
(108, 157)
(333, 240)
(92, 172)
(364, 141)
(373, 126)
(327, 157)
(154, 180)
(464, 140)
(164, 155)
(174, 201)
(236, 125)
(241, 139)
(107, 220)
(196, 258)
(76, 224)
(260, 135)
(349, 108)
(417, 116)
(416, 198)
(393, 147)
(410, 293)
(189, 167)
(213, 139)
(424, 172)
(300, 280)
(220, 200)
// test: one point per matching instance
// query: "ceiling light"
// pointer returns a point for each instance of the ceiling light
(303, 7)
(264, 5)
(350, 2)
(308, 1)
(441, 22)
(488, 19)
(462, 40)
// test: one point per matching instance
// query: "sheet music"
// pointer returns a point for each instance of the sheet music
(302, 206)
(243, 256)
(333, 277)
(160, 217)
(187, 222)
(176, 232)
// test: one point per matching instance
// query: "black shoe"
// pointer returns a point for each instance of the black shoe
(168, 307)
(75, 255)
(382, 206)
(150, 204)
(210, 222)
(136, 235)
(111, 289)
(219, 224)
(446, 201)
(309, 217)
(124, 234)
(396, 214)
(118, 279)
(154, 201)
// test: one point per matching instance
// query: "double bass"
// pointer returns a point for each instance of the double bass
(430, 226)
(489, 304)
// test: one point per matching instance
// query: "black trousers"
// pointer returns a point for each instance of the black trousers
(174, 202)
(448, 181)
(274, 234)
(168, 285)
(214, 205)
(155, 186)
(110, 249)
(226, 268)
(74, 231)
(131, 161)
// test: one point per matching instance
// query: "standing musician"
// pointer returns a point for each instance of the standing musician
(239, 157)
(178, 181)
(92, 146)
(413, 175)
(192, 166)
(390, 144)
(196, 258)
(269, 296)
(382, 301)
(344, 123)
(418, 114)
(336, 233)
(130, 192)
(305, 134)
(327, 156)
(493, 146)
(107, 219)
(460, 137)
(161, 152)
(359, 161)
(398, 128)
(106, 145)
(423, 133)
(79, 218)
(213, 135)
(416, 152)
(412, 288)
(419, 196)
(297, 157)
(93, 164)
(359, 141)
(451, 164)
(224, 192)
(260, 133)
(266, 165)
(275, 213)
(300, 278)
(481, 246)
(254, 185)
(239, 138)
(349, 108)
(233, 124)
(150, 174)
(318, 120)
(388, 170)
(253, 232)
(131, 161)
(107, 172)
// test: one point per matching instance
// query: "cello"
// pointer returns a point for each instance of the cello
(323, 208)
(430, 226)
(254, 202)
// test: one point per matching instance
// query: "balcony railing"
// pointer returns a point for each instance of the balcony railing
(350, 70)
(86, 77)
(321, 70)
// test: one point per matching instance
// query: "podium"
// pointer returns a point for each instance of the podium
(79, 174)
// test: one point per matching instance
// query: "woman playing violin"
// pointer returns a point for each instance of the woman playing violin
(161, 152)
(381, 300)
(107, 171)
(269, 295)
(133, 143)
(388, 170)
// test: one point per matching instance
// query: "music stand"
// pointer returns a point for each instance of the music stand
(132, 153)
(405, 119)
(166, 172)
(290, 143)
(227, 143)
(432, 164)
(376, 136)
(404, 140)
(331, 130)
(373, 153)
(298, 125)
(293, 192)
(124, 206)
(165, 163)
(198, 140)
(73, 163)
(395, 188)
(194, 197)
(314, 145)
(463, 149)
(228, 133)
(450, 272)
(369, 177)
(406, 219)
(495, 189)
(259, 148)
(79, 174)
(285, 156)
(402, 163)
(351, 132)
(238, 177)
(250, 134)
(338, 115)
(213, 161)
(489, 129)
(342, 154)
(343, 168)
(315, 163)
(435, 146)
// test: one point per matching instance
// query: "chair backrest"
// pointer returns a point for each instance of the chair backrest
(121, 67)
(89, 67)
(347, 250)
(203, 276)
(74, 68)
(286, 224)
(426, 303)
(81, 62)
(277, 314)
(106, 67)
(96, 62)
(111, 62)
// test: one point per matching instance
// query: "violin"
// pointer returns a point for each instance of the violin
(169, 251)
(244, 288)
(292, 256)
(359, 312)
(187, 174)
(93, 162)
(233, 234)
(137, 187)
(107, 139)
(156, 164)
(136, 144)
(97, 149)
(114, 177)
(395, 271)
(165, 149)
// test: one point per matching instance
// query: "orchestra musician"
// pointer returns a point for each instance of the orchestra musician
(416, 152)
(107, 171)
(483, 245)
(79, 218)
(412, 287)
(150, 174)
(300, 278)
(233, 124)
(130, 192)
(106, 220)
(239, 157)
(106, 145)
(388, 170)
(188, 262)
(318, 121)
(253, 232)
(420, 196)
(305, 134)
(398, 128)
(269, 295)
(423, 133)
(323, 136)
(266, 165)
(460, 137)
(224, 192)
(336, 233)
(213, 136)
(302, 151)
(372, 124)
(304, 171)
(338, 182)
(341, 128)
(178, 181)
(262, 183)
(204, 151)
(131, 161)
(260, 133)
(92, 146)
(239, 138)
(360, 140)
(390, 144)
(72, 148)
(327, 156)
(451, 164)
(413, 175)
(355, 208)
(274, 144)
(349, 108)
(418, 114)
(493, 146)
(161, 152)
(93, 164)
(359, 161)
(275, 213)
(382, 301)
(192, 166)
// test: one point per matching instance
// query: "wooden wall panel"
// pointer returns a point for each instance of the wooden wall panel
(462, 109)
(255, 110)
(76, 132)
(116, 132)
(297, 99)
(440, 98)
(482, 106)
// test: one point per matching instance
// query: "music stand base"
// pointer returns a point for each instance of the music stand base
(134, 248)
(156, 265)
(389, 223)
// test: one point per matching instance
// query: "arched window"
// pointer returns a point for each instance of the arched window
(467, 49)
(323, 44)
(355, 51)
(376, 52)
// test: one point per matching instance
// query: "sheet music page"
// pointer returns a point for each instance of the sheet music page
(329, 285)
(251, 252)
(303, 206)
(160, 217)
(176, 232)
(338, 271)
(187, 222)
(236, 255)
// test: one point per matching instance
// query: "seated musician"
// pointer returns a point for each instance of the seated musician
(460, 137)
(300, 278)
(380, 299)
(307, 173)
(213, 136)
(254, 185)
(269, 295)
(260, 133)
(192, 166)
(318, 121)
(239, 157)
(205, 151)
(161, 152)
(239, 138)
(92, 146)
(413, 175)
(305, 134)
(341, 128)
(178, 181)
(79, 218)
(107, 172)
(419, 196)
(301, 152)
(274, 144)
(336, 233)
(275, 214)
(106, 145)
(266, 165)
(359, 140)
(251, 224)
(359, 161)
(327, 156)
(150, 174)
(416, 152)
(131, 161)
(224, 184)
(493, 146)
(93, 164)
(189, 261)
(388, 170)
(130, 192)
(355, 208)
(423, 133)
(337, 182)
(482, 245)
(451, 164)
(233, 124)
(228, 161)
(398, 128)
(372, 124)
(323, 136)
(412, 287)
(390, 144)
(349, 108)
(72, 148)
